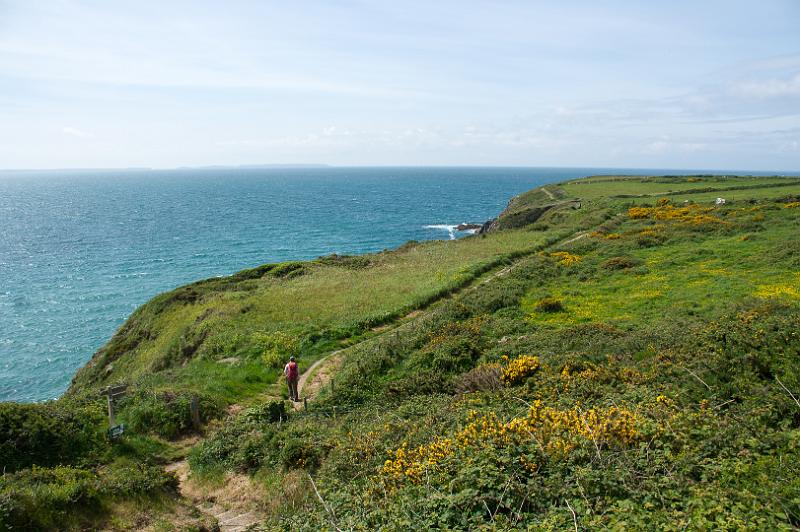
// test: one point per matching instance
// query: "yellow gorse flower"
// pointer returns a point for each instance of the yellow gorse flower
(690, 215)
(519, 369)
(607, 236)
(551, 431)
(565, 259)
(777, 290)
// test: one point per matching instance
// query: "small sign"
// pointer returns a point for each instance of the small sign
(115, 432)
(114, 391)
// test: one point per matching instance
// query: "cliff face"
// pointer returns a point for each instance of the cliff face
(527, 208)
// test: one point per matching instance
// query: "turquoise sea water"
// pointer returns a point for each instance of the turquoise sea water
(79, 251)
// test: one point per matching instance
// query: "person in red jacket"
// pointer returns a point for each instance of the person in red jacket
(292, 374)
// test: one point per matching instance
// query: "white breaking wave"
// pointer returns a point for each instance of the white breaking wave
(451, 229)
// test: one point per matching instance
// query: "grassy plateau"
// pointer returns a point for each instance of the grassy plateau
(616, 352)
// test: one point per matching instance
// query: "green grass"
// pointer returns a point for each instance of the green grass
(324, 306)
(690, 274)
(736, 195)
(609, 186)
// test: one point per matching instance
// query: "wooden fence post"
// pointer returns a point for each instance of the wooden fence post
(194, 408)
(111, 420)
(114, 393)
(305, 403)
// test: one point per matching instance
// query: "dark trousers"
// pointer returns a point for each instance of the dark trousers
(293, 389)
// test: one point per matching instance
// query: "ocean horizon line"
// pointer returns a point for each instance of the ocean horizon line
(325, 166)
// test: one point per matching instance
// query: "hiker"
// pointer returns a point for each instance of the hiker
(291, 378)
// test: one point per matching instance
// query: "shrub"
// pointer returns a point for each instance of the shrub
(550, 431)
(648, 239)
(299, 454)
(268, 412)
(49, 433)
(691, 215)
(621, 263)
(483, 378)
(352, 262)
(39, 498)
(46, 498)
(566, 259)
(276, 347)
(549, 304)
(216, 453)
(519, 369)
(425, 382)
(245, 444)
(165, 413)
(288, 270)
(135, 479)
(453, 348)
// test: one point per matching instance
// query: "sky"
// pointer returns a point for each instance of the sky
(661, 84)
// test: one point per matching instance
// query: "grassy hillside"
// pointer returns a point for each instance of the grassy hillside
(205, 335)
(616, 352)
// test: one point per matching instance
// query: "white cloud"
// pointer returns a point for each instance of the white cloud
(667, 145)
(75, 132)
(769, 88)
(500, 83)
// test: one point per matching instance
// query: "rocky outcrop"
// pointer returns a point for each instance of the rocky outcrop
(523, 210)
(487, 226)
(468, 227)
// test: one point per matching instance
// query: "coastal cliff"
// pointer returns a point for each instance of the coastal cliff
(614, 351)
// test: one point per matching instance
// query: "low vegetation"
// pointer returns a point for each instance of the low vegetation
(627, 360)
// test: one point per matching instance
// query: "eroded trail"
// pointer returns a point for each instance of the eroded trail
(317, 376)
(232, 505)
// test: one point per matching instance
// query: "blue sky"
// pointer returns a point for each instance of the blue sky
(677, 84)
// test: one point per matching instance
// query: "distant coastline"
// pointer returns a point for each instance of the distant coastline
(151, 169)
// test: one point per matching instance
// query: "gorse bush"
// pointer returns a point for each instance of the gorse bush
(423, 382)
(549, 304)
(621, 263)
(454, 348)
(565, 258)
(298, 453)
(518, 370)
(544, 429)
(49, 433)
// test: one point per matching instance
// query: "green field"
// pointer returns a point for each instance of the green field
(611, 186)
(683, 276)
(618, 353)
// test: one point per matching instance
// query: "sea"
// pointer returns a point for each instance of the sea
(81, 250)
